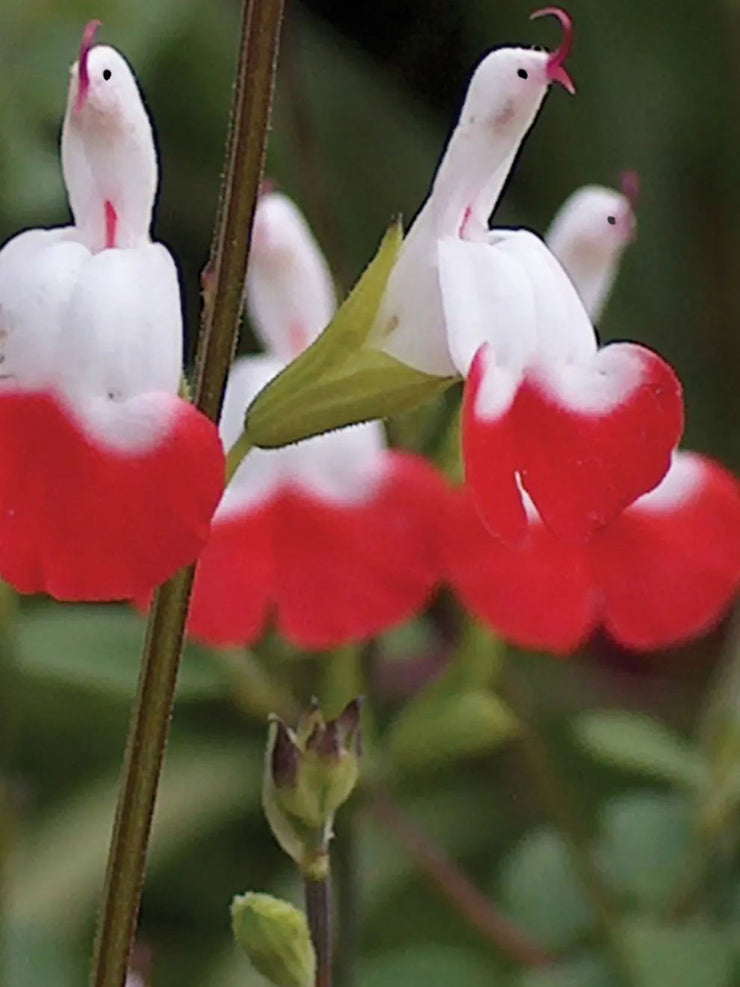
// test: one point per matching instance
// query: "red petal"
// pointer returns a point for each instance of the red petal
(83, 520)
(585, 458)
(235, 580)
(538, 595)
(669, 574)
(348, 572)
(489, 453)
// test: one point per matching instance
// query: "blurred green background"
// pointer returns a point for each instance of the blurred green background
(367, 93)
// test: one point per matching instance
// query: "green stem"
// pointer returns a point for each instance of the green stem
(236, 456)
(154, 701)
(9, 683)
(558, 802)
(319, 913)
(347, 891)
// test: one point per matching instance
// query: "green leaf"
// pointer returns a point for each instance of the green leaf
(637, 743)
(428, 965)
(585, 971)
(645, 842)
(340, 380)
(436, 728)
(694, 955)
(98, 649)
(540, 890)
(62, 860)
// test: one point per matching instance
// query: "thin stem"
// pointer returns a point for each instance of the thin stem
(319, 912)
(236, 455)
(446, 877)
(154, 701)
(558, 802)
(347, 892)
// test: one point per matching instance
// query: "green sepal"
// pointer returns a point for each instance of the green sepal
(275, 936)
(341, 379)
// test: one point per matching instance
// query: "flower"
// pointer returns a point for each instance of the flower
(589, 234)
(337, 534)
(661, 572)
(584, 431)
(109, 479)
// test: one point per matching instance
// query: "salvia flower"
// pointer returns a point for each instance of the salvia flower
(583, 431)
(337, 536)
(662, 572)
(109, 479)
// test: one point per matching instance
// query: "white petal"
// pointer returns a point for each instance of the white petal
(588, 236)
(259, 474)
(564, 331)
(108, 153)
(487, 298)
(411, 323)
(290, 293)
(344, 467)
(122, 329)
(681, 482)
(341, 467)
(39, 270)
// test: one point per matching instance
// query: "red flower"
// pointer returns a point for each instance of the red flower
(108, 479)
(663, 572)
(584, 431)
(336, 537)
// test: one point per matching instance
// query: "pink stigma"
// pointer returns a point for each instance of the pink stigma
(629, 182)
(83, 76)
(111, 224)
(556, 71)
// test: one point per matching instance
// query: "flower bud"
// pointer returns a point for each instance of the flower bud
(309, 773)
(275, 936)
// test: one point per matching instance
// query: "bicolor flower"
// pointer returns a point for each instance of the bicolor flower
(661, 572)
(109, 479)
(583, 431)
(336, 537)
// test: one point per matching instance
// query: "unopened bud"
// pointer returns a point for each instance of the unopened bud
(275, 936)
(309, 773)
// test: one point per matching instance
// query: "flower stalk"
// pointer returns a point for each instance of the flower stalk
(260, 30)
(319, 911)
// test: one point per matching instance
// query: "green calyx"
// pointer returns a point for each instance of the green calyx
(275, 936)
(309, 773)
(340, 379)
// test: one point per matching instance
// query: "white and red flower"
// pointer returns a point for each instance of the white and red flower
(108, 479)
(662, 571)
(584, 431)
(336, 536)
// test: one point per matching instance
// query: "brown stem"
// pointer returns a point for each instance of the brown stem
(154, 701)
(319, 911)
(447, 878)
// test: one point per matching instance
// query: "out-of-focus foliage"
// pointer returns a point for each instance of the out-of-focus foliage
(366, 96)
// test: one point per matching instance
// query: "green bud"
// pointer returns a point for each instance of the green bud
(275, 936)
(309, 773)
(341, 379)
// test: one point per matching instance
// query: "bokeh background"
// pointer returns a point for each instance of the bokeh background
(367, 94)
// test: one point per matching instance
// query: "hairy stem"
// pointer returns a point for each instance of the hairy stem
(319, 912)
(452, 884)
(154, 701)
